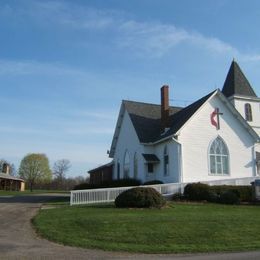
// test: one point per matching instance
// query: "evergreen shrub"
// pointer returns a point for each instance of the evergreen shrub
(228, 197)
(197, 191)
(244, 193)
(140, 197)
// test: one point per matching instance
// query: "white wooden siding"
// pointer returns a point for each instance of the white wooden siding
(128, 139)
(198, 133)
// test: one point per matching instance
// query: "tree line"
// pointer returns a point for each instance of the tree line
(37, 173)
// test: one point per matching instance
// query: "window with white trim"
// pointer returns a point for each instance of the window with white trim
(135, 166)
(118, 170)
(248, 112)
(165, 161)
(219, 157)
(126, 165)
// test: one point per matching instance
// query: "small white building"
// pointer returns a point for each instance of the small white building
(216, 137)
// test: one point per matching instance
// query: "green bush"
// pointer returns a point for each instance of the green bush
(213, 197)
(228, 197)
(177, 196)
(244, 193)
(197, 191)
(140, 198)
(154, 182)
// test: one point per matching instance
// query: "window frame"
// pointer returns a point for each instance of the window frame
(126, 165)
(219, 159)
(248, 112)
(118, 170)
(135, 166)
(150, 168)
(166, 168)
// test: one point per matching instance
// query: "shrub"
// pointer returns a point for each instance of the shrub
(244, 193)
(228, 197)
(213, 197)
(140, 198)
(154, 182)
(177, 196)
(197, 191)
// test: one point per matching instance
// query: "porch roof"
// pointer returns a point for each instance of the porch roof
(151, 158)
(9, 177)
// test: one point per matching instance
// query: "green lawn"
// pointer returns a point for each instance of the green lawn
(176, 229)
(28, 192)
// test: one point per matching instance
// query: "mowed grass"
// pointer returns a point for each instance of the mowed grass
(178, 228)
(28, 192)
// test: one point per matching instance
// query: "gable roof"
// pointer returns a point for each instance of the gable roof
(236, 83)
(146, 118)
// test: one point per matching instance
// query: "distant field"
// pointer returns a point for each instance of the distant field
(180, 228)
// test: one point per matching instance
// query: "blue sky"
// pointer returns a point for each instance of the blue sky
(65, 66)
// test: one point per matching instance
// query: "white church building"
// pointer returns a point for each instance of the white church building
(216, 137)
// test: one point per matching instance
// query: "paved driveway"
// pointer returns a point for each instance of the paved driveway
(19, 241)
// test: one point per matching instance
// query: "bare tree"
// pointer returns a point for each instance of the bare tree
(60, 168)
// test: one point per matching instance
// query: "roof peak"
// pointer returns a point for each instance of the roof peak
(236, 82)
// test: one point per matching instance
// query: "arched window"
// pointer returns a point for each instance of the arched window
(135, 166)
(219, 157)
(248, 112)
(118, 170)
(165, 161)
(126, 165)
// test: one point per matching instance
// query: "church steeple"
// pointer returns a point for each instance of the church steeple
(236, 83)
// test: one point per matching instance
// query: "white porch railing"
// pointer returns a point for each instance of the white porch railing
(78, 197)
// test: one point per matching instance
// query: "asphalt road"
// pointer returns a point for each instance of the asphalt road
(19, 241)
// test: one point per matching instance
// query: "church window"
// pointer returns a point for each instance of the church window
(118, 170)
(150, 167)
(126, 165)
(135, 166)
(165, 161)
(219, 157)
(248, 112)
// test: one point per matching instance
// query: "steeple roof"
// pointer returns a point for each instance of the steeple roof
(236, 83)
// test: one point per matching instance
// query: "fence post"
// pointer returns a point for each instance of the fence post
(108, 195)
(71, 194)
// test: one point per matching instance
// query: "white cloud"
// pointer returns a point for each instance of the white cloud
(158, 39)
(152, 39)
(62, 13)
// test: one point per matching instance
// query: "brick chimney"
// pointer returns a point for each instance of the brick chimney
(165, 111)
